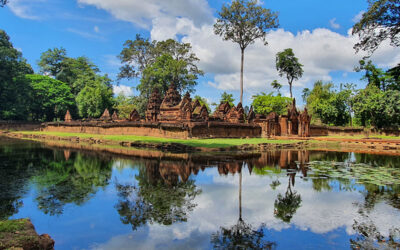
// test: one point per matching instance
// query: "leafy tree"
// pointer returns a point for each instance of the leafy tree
(347, 94)
(3, 2)
(170, 59)
(225, 97)
(328, 105)
(14, 89)
(377, 108)
(287, 64)
(379, 23)
(95, 97)
(164, 71)
(73, 71)
(203, 101)
(124, 105)
(243, 22)
(276, 85)
(51, 61)
(50, 98)
(266, 103)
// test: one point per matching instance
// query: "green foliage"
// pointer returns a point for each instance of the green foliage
(328, 105)
(73, 71)
(14, 90)
(203, 101)
(95, 97)
(267, 103)
(288, 65)
(50, 98)
(164, 71)
(225, 97)
(124, 105)
(11, 226)
(286, 206)
(158, 64)
(243, 22)
(383, 80)
(378, 108)
(379, 23)
(276, 85)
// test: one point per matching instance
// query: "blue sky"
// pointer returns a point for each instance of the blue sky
(318, 32)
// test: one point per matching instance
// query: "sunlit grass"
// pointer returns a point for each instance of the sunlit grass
(208, 143)
(371, 136)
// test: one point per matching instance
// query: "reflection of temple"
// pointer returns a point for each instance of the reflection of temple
(171, 172)
(184, 117)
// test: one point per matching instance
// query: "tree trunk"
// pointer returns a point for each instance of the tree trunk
(241, 76)
(290, 87)
(240, 195)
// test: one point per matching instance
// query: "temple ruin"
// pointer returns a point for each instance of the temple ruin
(179, 116)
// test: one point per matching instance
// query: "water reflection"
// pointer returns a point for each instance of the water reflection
(240, 200)
(160, 195)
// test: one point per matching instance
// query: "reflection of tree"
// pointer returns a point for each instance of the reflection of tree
(368, 236)
(286, 206)
(61, 181)
(18, 163)
(241, 235)
(156, 199)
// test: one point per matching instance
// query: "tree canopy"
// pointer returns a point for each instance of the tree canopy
(266, 103)
(243, 22)
(327, 104)
(225, 97)
(50, 98)
(3, 2)
(14, 90)
(379, 23)
(288, 65)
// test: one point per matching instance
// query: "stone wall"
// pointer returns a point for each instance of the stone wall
(317, 130)
(19, 125)
(167, 130)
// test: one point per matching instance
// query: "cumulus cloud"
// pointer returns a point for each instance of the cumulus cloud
(334, 24)
(321, 51)
(123, 89)
(142, 13)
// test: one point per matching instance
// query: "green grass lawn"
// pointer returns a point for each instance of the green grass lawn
(207, 143)
(362, 136)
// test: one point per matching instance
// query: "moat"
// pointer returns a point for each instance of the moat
(310, 199)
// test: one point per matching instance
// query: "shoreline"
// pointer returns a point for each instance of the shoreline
(349, 144)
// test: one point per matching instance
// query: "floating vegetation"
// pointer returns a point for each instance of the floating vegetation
(360, 172)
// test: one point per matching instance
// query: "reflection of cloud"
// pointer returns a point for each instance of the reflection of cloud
(217, 206)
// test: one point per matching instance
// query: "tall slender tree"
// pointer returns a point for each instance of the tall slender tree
(243, 22)
(288, 65)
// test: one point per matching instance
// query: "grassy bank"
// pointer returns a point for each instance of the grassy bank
(207, 143)
(371, 136)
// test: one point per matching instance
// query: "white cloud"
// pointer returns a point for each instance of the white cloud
(358, 17)
(122, 89)
(142, 13)
(321, 51)
(96, 29)
(333, 24)
(23, 8)
(84, 34)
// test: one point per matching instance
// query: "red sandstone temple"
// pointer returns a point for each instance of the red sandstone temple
(181, 117)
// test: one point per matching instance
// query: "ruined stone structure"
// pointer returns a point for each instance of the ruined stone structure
(115, 116)
(181, 117)
(68, 117)
(134, 116)
(106, 115)
(153, 106)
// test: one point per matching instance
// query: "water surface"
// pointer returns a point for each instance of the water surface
(277, 199)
